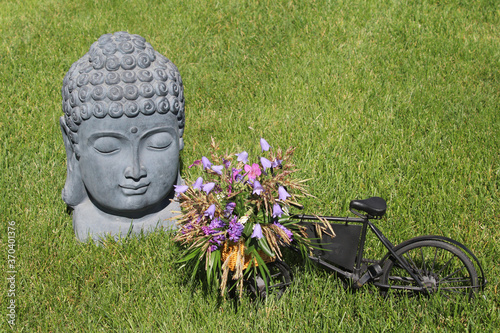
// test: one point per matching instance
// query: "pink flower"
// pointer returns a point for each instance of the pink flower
(253, 171)
(197, 162)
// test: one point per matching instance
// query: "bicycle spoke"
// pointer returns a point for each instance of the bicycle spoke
(457, 280)
(434, 260)
(438, 266)
(451, 274)
(423, 260)
(446, 265)
(414, 267)
(277, 281)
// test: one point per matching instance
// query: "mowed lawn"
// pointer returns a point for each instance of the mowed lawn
(397, 99)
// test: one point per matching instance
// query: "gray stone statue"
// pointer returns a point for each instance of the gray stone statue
(122, 128)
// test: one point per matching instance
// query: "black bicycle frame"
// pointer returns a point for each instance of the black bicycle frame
(370, 272)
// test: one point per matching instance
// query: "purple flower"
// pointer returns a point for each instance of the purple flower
(282, 193)
(286, 230)
(180, 188)
(218, 169)
(276, 163)
(197, 162)
(206, 163)
(198, 184)
(186, 228)
(208, 187)
(229, 209)
(242, 157)
(277, 210)
(217, 223)
(257, 231)
(218, 239)
(226, 163)
(253, 171)
(264, 145)
(210, 211)
(235, 230)
(236, 176)
(265, 163)
(207, 230)
(257, 188)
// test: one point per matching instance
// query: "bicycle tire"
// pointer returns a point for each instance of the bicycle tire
(280, 278)
(442, 267)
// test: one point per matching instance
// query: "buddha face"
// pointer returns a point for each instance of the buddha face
(129, 165)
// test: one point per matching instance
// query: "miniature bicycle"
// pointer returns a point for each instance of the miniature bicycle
(422, 265)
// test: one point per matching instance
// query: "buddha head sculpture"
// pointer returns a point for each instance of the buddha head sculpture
(122, 127)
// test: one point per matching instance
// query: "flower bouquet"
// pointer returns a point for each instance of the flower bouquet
(235, 215)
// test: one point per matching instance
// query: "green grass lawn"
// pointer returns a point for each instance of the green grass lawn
(398, 99)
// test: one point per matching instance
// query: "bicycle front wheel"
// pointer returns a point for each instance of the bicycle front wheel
(440, 267)
(279, 279)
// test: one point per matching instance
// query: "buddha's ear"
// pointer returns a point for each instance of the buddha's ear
(73, 192)
(181, 140)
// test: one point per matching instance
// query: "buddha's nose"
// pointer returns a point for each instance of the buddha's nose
(136, 170)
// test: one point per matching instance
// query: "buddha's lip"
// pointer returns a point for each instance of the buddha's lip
(134, 187)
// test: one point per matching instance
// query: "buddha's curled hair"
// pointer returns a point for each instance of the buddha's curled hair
(121, 75)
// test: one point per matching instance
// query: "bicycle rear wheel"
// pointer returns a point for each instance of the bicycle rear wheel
(440, 266)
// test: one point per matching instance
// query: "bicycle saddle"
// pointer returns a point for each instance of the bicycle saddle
(374, 206)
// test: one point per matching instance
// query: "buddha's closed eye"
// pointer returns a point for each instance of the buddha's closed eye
(159, 141)
(107, 145)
